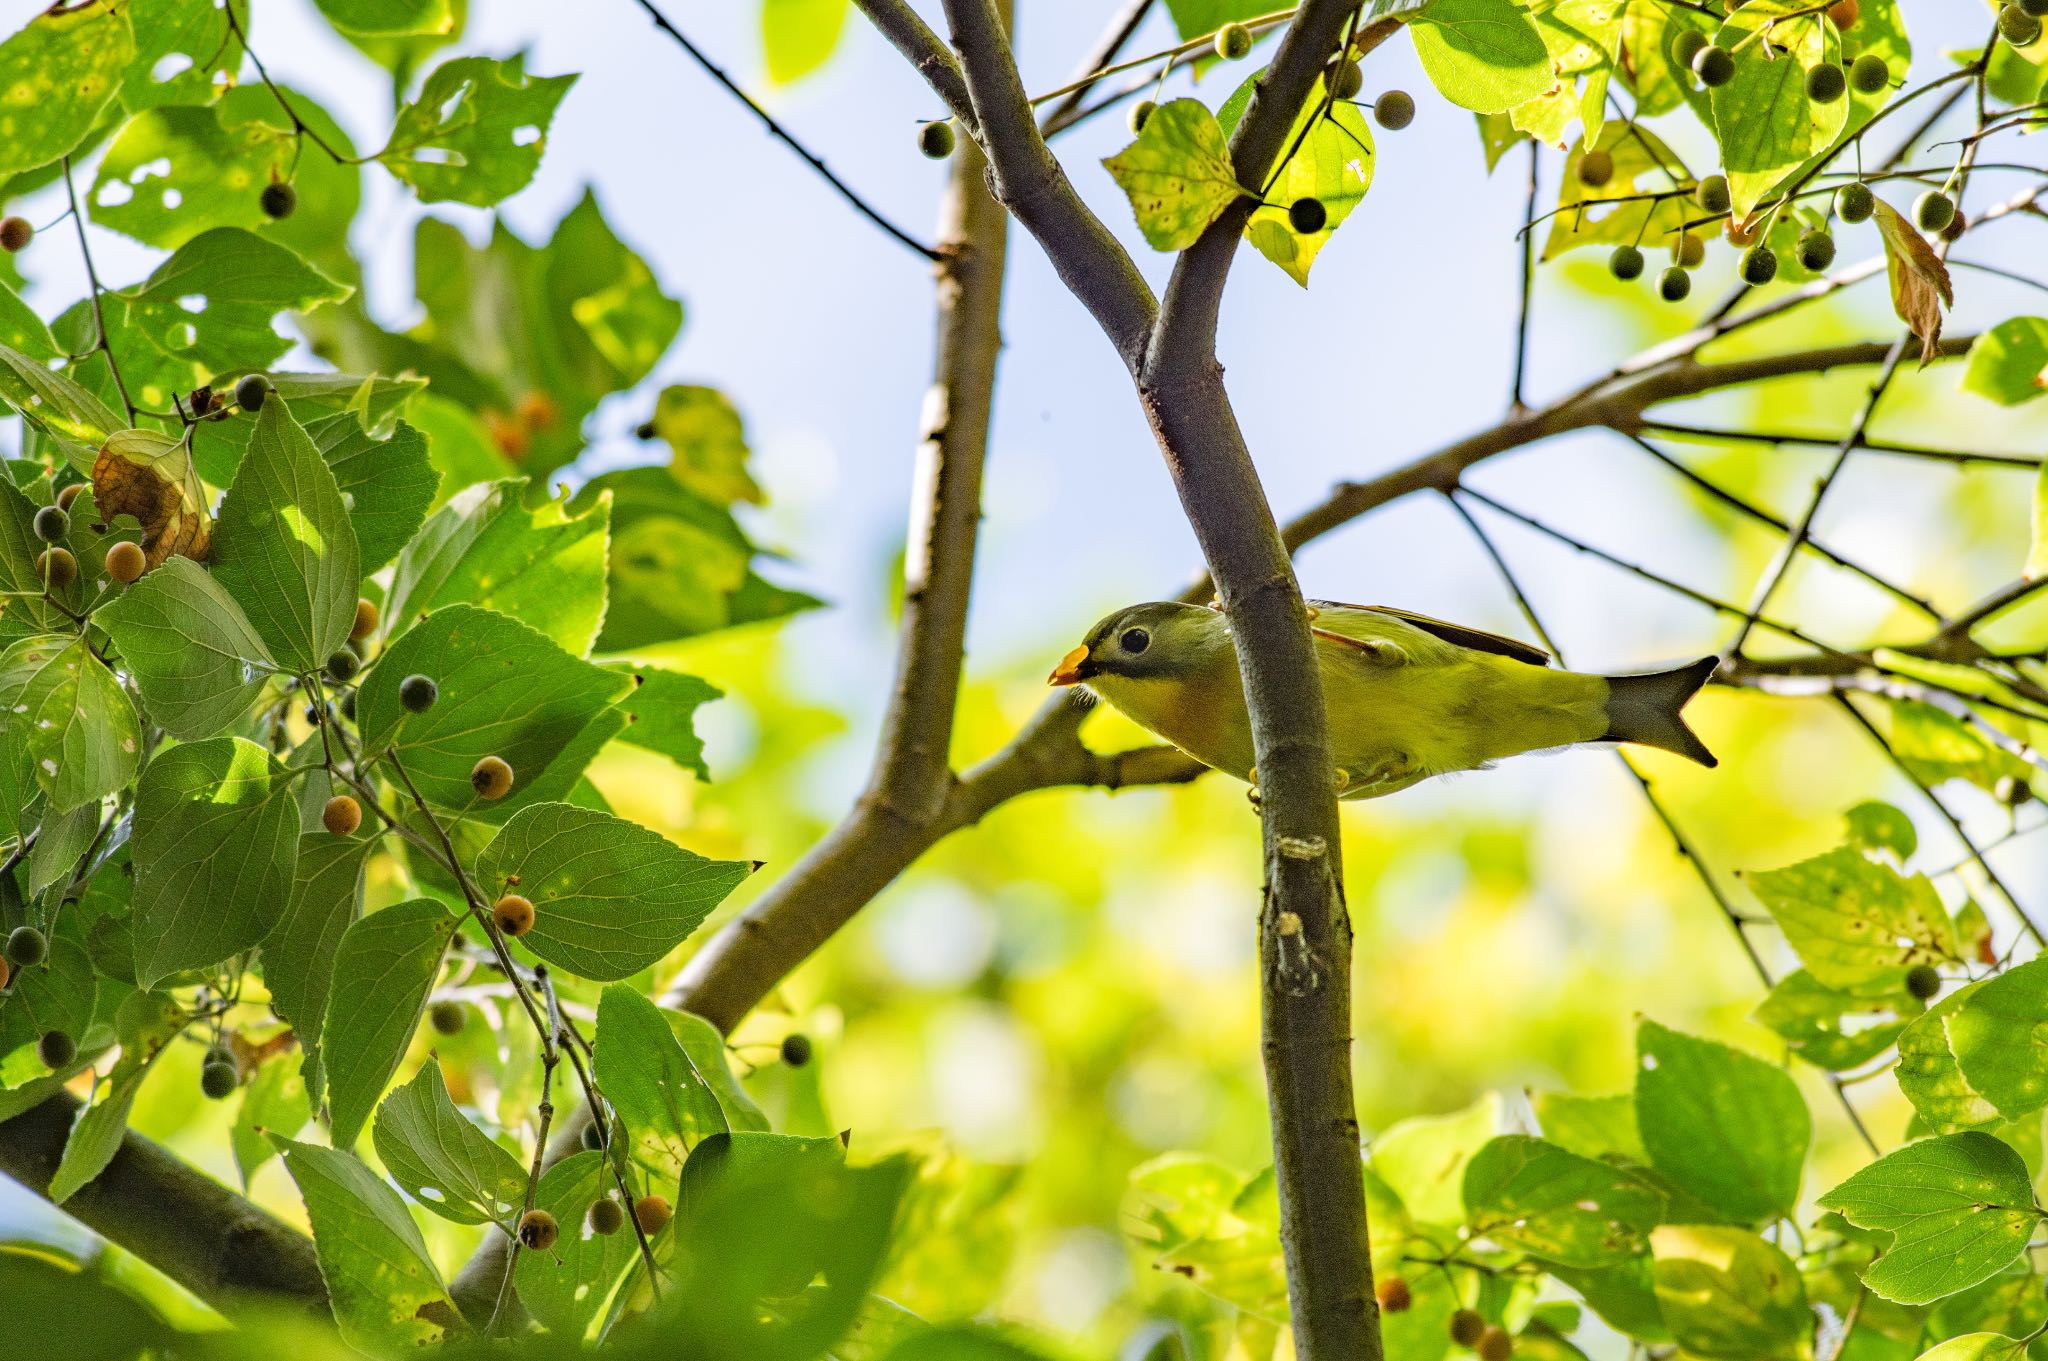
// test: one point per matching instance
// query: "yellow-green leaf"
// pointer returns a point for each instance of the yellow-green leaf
(1177, 175)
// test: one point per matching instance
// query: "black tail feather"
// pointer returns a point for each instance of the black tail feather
(1646, 710)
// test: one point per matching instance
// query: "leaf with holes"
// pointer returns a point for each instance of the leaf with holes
(150, 476)
(442, 1160)
(56, 74)
(476, 132)
(1528, 1194)
(176, 171)
(1177, 175)
(1858, 925)
(1959, 1209)
(660, 714)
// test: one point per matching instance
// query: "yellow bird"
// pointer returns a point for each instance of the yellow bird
(1408, 696)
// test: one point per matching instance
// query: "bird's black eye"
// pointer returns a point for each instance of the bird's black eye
(1134, 641)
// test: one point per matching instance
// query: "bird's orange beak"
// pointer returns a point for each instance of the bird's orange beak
(1068, 672)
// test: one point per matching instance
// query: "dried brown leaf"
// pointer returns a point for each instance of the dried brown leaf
(1920, 284)
(150, 476)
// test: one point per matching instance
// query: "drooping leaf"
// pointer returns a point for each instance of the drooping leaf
(148, 1023)
(2009, 362)
(1766, 124)
(476, 132)
(1858, 925)
(442, 1160)
(1528, 1194)
(1729, 1295)
(708, 443)
(299, 950)
(1332, 162)
(189, 647)
(56, 74)
(274, 1101)
(1177, 175)
(389, 959)
(1482, 55)
(1959, 1208)
(216, 843)
(76, 722)
(1920, 283)
(21, 329)
(1725, 1126)
(70, 416)
(150, 476)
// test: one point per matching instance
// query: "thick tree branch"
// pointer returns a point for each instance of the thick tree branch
(202, 1235)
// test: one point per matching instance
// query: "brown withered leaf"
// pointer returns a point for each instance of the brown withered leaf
(150, 476)
(1920, 285)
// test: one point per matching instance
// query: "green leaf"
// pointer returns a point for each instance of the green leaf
(184, 50)
(78, 727)
(1937, 746)
(1977, 1347)
(55, 995)
(799, 36)
(71, 417)
(1993, 1035)
(25, 614)
(1959, 1209)
(540, 564)
(274, 1101)
(708, 441)
(2037, 551)
(1879, 826)
(1423, 1158)
(706, 1046)
(442, 1160)
(386, 481)
(1591, 215)
(1725, 1126)
(1590, 1126)
(2009, 362)
(506, 691)
(643, 1071)
(476, 132)
(1857, 925)
(389, 17)
(382, 1285)
(57, 73)
(1813, 1019)
(1583, 38)
(1332, 163)
(568, 1287)
(661, 711)
(60, 841)
(96, 1135)
(22, 329)
(1729, 1295)
(216, 842)
(1652, 71)
(389, 960)
(1534, 1196)
(610, 897)
(314, 399)
(1177, 175)
(175, 172)
(299, 951)
(1194, 18)
(1766, 125)
(1482, 55)
(1928, 1074)
(191, 650)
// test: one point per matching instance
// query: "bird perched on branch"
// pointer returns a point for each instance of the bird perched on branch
(1408, 696)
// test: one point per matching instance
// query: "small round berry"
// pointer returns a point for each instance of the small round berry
(513, 914)
(1596, 168)
(251, 392)
(313, 716)
(2037, 8)
(366, 621)
(645, 431)
(1759, 265)
(1345, 80)
(279, 200)
(651, 1213)
(57, 567)
(1855, 202)
(1934, 210)
(1394, 110)
(52, 524)
(1494, 1344)
(126, 562)
(2017, 26)
(418, 693)
(1686, 46)
(447, 1018)
(607, 1216)
(1233, 42)
(342, 815)
(1844, 14)
(1714, 65)
(342, 666)
(1466, 1326)
(796, 1050)
(1674, 284)
(1868, 74)
(1957, 225)
(1692, 250)
(56, 1049)
(1816, 251)
(935, 140)
(1140, 114)
(592, 1136)
(1826, 83)
(1923, 981)
(1712, 194)
(1307, 216)
(491, 778)
(348, 705)
(218, 1080)
(1393, 1294)
(1625, 263)
(27, 946)
(537, 1230)
(16, 233)
(68, 495)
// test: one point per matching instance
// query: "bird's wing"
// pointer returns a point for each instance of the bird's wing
(1330, 621)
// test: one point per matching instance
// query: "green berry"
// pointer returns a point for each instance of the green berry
(1233, 42)
(796, 1050)
(1855, 202)
(1394, 110)
(1141, 112)
(1625, 263)
(52, 524)
(26, 947)
(1826, 82)
(56, 1049)
(342, 666)
(2017, 26)
(1715, 66)
(1674, 284)
(1759, 265)
(2037, 8)
(1868, 74)
(935, 140)
(1596, 168)
(218, 1080)
(251, 392)
(1934, 210)
(1345, 80)
(1923, 981)
(1466, 1326)
(607, 1216)
(1712, 194)
(1816, 251)
(447, 1018)
(279, 200)
(418, 693)
(1307, 216)
(1686, 46)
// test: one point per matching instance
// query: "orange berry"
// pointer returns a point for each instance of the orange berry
(537, 1230)
(513, 914)
(1393, 1295)
(342, 815)
(651, 1212)
(537, 411)
(126, 562)
(1494, 1344)
(491, 778)
(366, 621)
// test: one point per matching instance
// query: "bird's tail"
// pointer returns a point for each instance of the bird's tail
(1646, 710)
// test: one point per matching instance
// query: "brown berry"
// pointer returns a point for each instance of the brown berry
(1466, 1327)
(537, 1230)
(1494, 1344)
(650, 1213)
(607, 1216)
(1692, 251)
(1393, 1294)
(1740, 235)
(513, 914)
(278, 200)
(342, 815)
(366, 621)
(16, 233)
(57, 567)
(447, 1018)
(1844, 13)
(538, 411)
(6, 972)
(126, 563)
(70, 494)
(491, 778)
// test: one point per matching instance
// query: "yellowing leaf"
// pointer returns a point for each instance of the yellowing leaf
(1920, 286)
(1177, 174)
(150, 476)
(1616, 213)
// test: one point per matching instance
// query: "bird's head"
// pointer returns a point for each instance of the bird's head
(1160, 640)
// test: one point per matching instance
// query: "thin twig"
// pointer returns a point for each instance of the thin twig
(101, 342)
